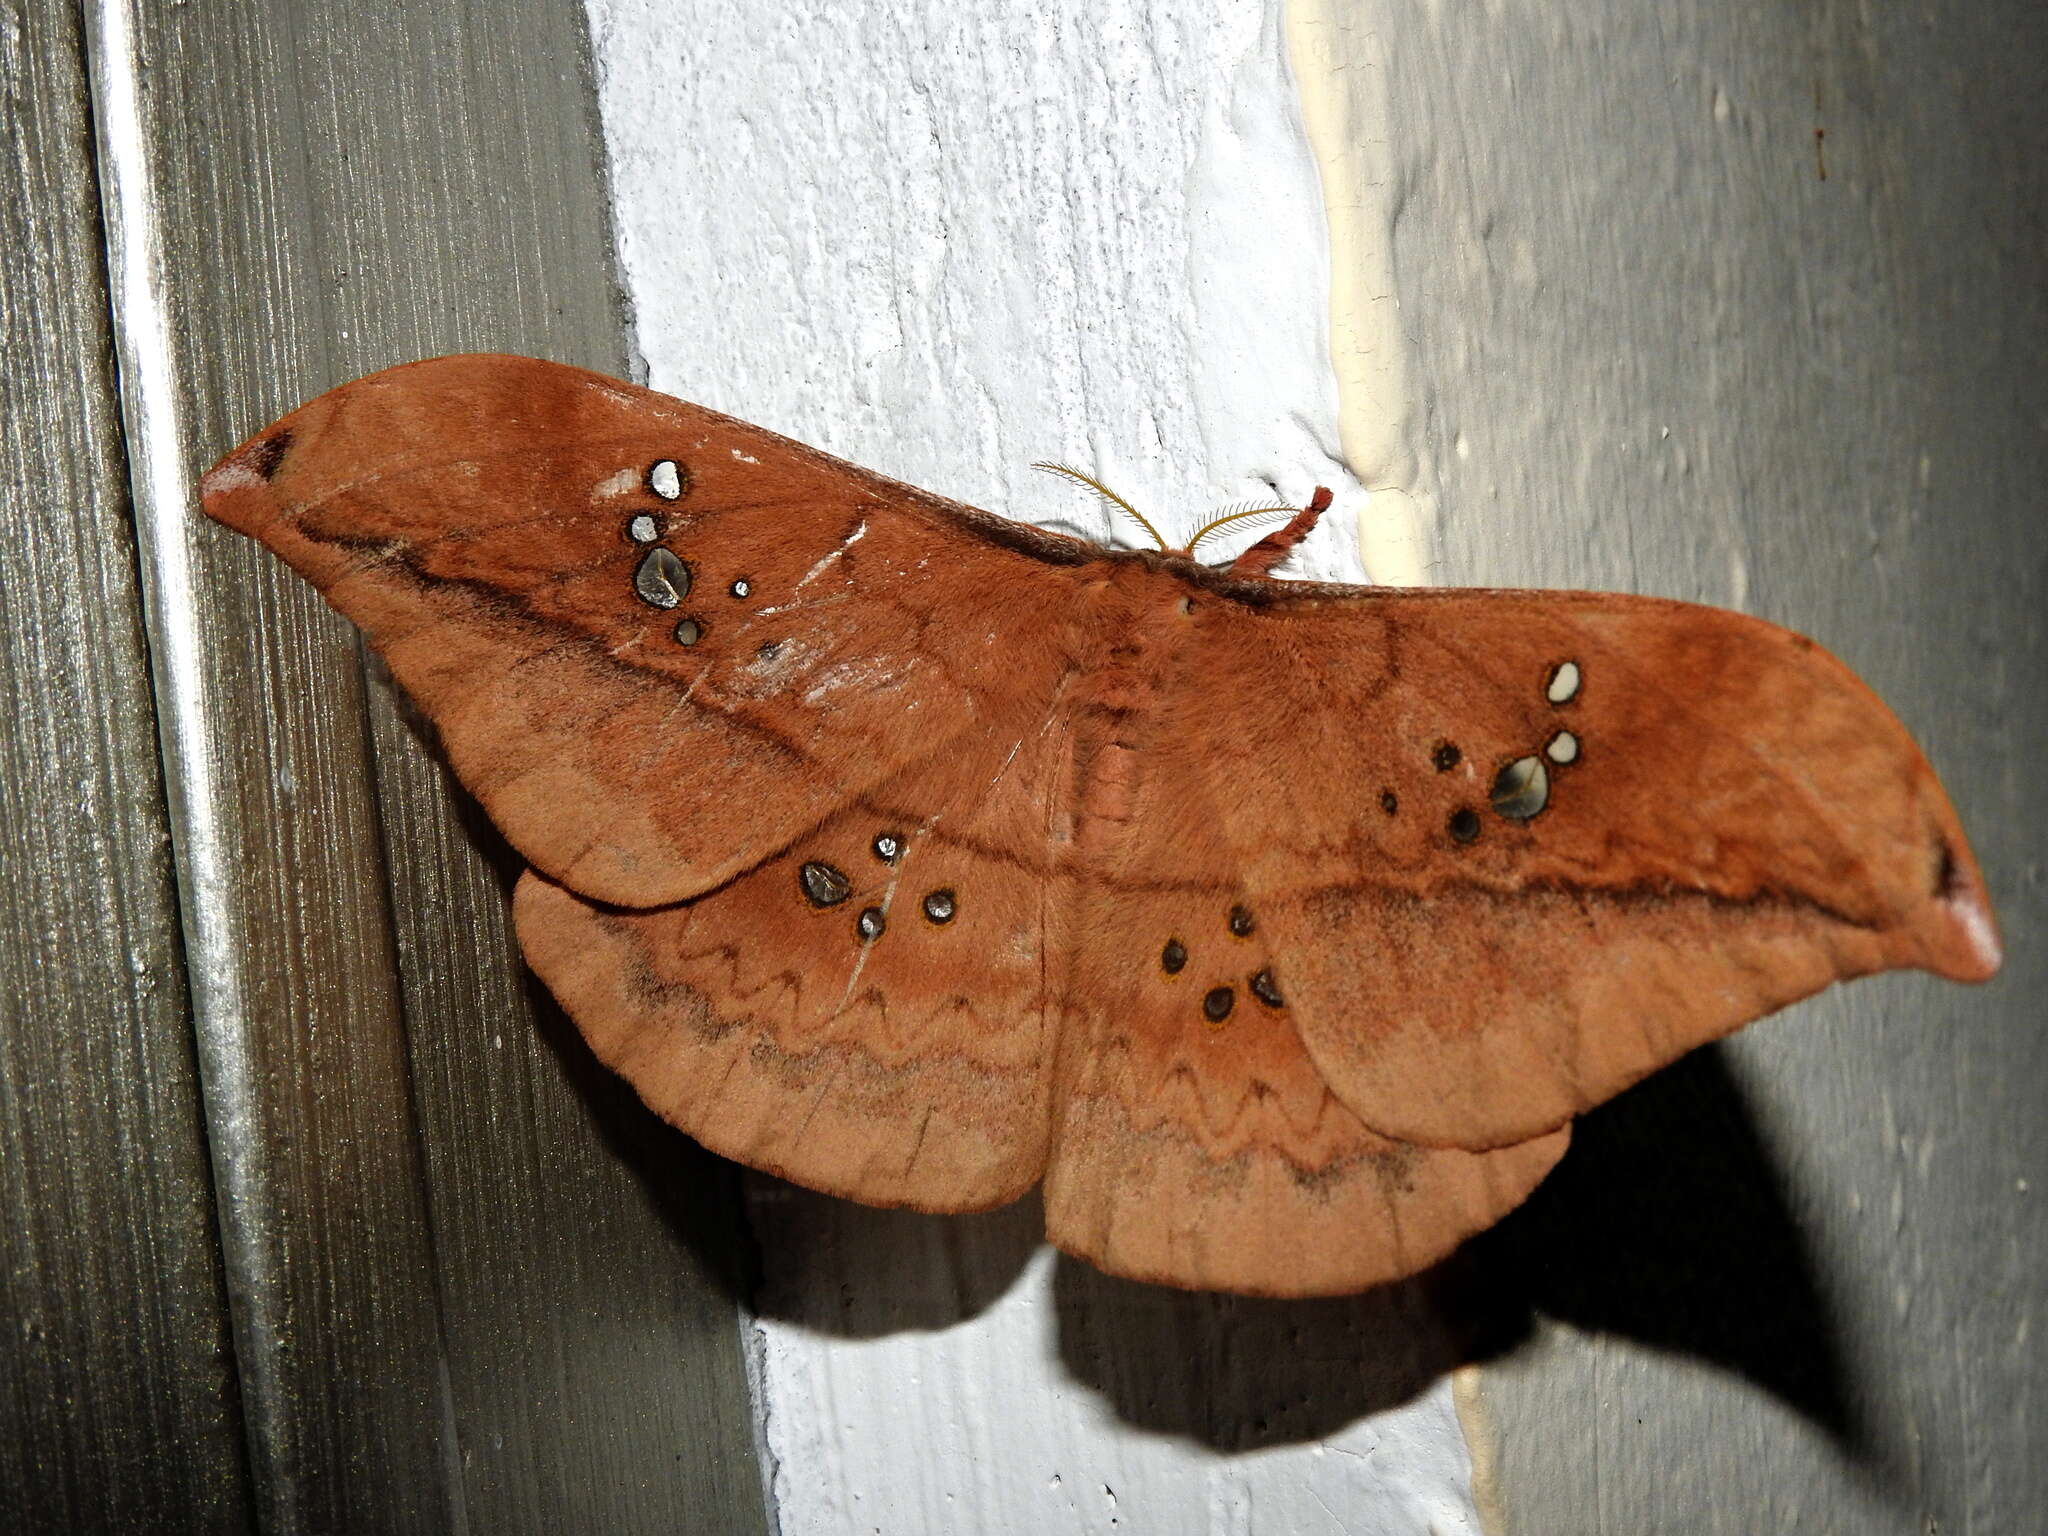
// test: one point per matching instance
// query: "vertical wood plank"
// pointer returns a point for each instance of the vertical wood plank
(473, 1288)
(117, 1400)
(1654, 347)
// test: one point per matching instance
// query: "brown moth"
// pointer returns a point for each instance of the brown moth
(920, 856)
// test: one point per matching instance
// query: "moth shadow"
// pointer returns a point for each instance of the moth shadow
(1240, 1373)
(852, 1271)
(1667, 1222)
(694, 1193)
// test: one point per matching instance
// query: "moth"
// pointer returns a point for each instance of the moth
(1278, 929)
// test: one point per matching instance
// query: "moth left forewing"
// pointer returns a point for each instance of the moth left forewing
(1713, 819)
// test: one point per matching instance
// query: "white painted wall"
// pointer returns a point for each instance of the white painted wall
(1594, 318)
(945, 240)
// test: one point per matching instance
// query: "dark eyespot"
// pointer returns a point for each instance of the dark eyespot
(1388, 803)
(1446, 756)
(741, 588)
(889, 847)
(1241, 922)
(1521, 788)
(1174, 957)
(1217, 1003)
(688, 632)
(1264, 990)
(662, 581)
(939, 906)
(822, 885)
(869, 924)
(1464, 824)
(770, 649)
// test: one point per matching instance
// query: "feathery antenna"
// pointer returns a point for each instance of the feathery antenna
(1105, 493)
(1236, 514)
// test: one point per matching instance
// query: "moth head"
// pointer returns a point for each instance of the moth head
(1257, 560)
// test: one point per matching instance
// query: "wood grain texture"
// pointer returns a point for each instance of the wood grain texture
(468, 1287)
(117, 1399)
(1801, 1280)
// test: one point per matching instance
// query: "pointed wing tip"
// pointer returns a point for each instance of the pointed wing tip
(237, 491)
(1950, 926)
(1962, 940)
(240, 492)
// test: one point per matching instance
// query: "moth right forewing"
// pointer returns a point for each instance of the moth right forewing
(649, 692)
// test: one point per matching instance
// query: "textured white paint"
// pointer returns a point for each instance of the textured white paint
(945, 240)
(1339, 50)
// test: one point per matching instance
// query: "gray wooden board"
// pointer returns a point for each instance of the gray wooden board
(117, 1404)
(472, 1285)
(1803, 1273)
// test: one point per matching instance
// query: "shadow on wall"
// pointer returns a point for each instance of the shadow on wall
(852, 1272)
(1665, 1223)
(1237, 1372)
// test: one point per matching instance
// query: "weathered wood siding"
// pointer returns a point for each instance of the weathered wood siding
(467, 1283)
